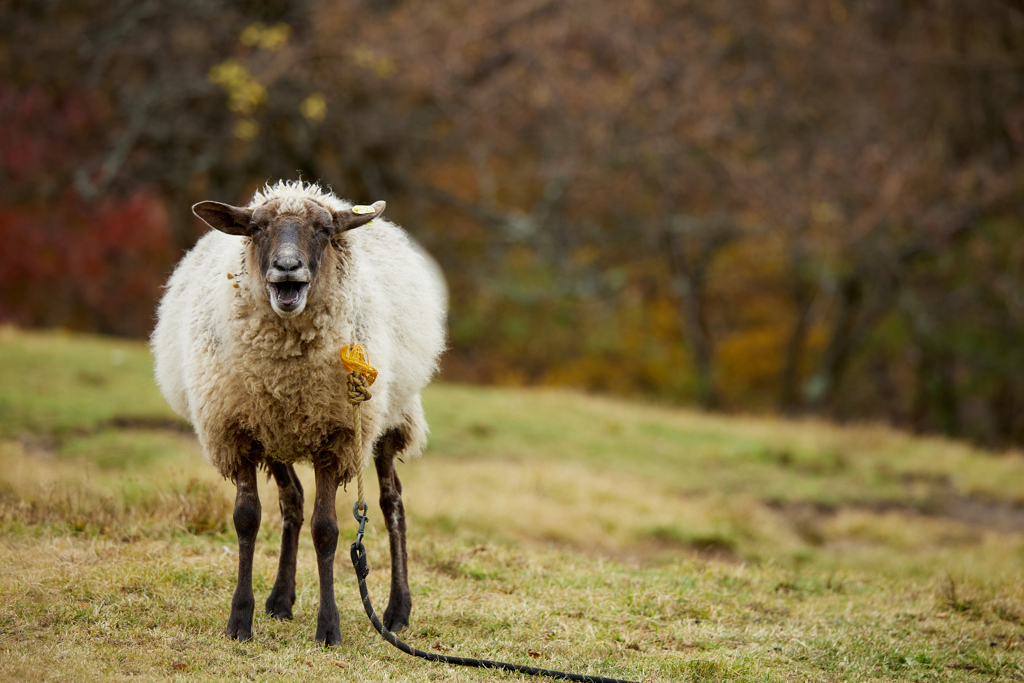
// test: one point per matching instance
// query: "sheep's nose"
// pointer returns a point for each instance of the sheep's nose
(287, 261)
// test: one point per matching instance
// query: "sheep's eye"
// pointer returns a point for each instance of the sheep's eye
(253, 227)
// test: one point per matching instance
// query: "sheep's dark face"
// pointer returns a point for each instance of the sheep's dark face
(289, 238)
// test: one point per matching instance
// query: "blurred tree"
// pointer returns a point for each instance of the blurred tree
(788, 204)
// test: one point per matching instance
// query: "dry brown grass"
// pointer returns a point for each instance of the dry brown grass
(546, 527)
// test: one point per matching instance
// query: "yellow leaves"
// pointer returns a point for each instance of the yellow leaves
(381, 66)
(825, 212)
(228, 72)
(314, 107)
(245, 93)
(267, 37)
(752, 359)
(246, 129)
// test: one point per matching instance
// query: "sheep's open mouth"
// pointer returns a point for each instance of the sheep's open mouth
(288, 292)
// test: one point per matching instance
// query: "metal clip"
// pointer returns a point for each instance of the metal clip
(361, 518)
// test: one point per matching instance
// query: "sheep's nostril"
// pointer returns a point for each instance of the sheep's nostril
(287, 262)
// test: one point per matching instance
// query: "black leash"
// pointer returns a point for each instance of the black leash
(362, 568)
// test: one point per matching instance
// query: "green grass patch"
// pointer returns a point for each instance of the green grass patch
(62, 383)
(546, 527)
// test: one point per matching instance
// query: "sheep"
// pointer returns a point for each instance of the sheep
(247, 347)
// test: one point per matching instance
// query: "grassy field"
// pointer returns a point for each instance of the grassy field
(547, 527)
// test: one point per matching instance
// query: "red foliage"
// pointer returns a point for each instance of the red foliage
(41, 134)
(89, 267)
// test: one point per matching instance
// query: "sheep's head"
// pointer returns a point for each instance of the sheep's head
(289, 238)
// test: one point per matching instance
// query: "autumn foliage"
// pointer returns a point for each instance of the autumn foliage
(97, 267)
(786, 205)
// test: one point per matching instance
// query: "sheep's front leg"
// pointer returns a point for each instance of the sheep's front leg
(396, 616)
(247, 524)
(282, 597)
(324, 527)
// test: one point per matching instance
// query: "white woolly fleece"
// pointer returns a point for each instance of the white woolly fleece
(231, 366)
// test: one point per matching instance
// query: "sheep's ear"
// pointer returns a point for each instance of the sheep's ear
(346, 219)
(224, 217)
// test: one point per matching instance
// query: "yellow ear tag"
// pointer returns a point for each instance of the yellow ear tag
(360, 209)
(354, 359)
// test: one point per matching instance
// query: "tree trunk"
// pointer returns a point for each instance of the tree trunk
(803, 291)
(822, 386)
(691, 246)
(701, 345)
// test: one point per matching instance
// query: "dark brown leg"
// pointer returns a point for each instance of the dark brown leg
(282, 597)
(396, 616)
(324, 526)
(247, 524)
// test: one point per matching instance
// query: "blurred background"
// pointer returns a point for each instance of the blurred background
(777, 206)
(799, 208)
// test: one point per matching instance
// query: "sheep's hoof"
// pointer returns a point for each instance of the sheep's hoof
(328, 636)
(279, 606)
(328, 628)
(238, 631)
(396, 626)
(396, 620)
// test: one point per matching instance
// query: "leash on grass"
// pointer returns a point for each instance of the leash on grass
(362, 568)
(360, 376)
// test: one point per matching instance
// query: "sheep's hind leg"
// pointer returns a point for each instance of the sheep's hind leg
(396, 616)
(247, 525)
(324, 527)
(282, 597)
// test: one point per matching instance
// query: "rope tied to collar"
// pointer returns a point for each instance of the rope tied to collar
(361, 376)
